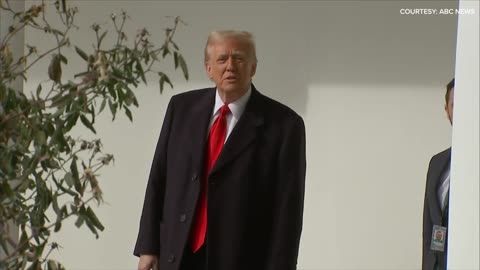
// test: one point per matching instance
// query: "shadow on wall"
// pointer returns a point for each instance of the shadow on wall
(353, 44)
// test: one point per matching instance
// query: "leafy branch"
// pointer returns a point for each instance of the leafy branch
(47, 176)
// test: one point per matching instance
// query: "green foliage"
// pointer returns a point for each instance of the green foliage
(42, 167)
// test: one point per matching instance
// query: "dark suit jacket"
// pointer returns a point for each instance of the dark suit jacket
(255, 192)
(432, 214)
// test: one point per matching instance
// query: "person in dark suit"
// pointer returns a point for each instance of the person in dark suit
(435, 213)
(226, 187)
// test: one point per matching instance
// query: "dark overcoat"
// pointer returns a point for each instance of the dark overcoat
(255, 189)
(432, 214)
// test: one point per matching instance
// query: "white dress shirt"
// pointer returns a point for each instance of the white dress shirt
(444, 187)
(236, 108)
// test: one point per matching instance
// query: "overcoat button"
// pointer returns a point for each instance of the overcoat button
(183, 218)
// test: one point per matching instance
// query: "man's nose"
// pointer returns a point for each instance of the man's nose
(230, 64)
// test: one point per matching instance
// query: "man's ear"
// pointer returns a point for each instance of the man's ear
(448, 115)
(208, 69)
(254, 69)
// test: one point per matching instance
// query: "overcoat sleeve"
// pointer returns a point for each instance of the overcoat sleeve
(148, 240)
(427, 222)
(289, 198)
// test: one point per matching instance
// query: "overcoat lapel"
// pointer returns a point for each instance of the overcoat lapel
(439, 165)
(198, 126)
(244, 132)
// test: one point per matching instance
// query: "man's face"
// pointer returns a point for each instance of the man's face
(231, 66)
(449, 106)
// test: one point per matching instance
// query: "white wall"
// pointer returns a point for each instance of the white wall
(369, 83)
(464, 196)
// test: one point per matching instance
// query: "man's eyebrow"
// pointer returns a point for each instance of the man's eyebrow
(239, 53)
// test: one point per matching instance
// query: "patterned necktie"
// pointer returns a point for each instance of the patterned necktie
(216, 139)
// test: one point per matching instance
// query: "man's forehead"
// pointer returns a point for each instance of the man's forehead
(224, 51)
(231, 43)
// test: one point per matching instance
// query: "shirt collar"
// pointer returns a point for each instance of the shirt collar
(237, 107)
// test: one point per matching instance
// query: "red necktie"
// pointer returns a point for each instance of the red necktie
(216, 139)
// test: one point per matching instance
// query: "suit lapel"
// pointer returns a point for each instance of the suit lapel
(198, 125)
(244, 132)
(439, 166)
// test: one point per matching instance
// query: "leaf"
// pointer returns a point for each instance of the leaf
(165, 51)
(23, 239)
(146, 57)
(135, 101)
(55, 69)
(94, 219)
(132, 96)
(84, 214)
(140, 71)
(129, 114)
(35, 265)
(49, 128)
(40, 137)
(4, 245)
(79, 221)
(113, 108)
(51, 265)
(39, 90)
(58, 223)
(60, 101)
(63, 59)
(76, 179)
(58, 32)
(102, 106)
(64, 6)
(69, 179)
(92, 113)
(111, 91)
(101, 38)
(175, 59)
(92, 228)
(7, 56)
(164, 79)
(81, 53)
(71, 121)
(58, 137)
(82, 74)
(183, 65)
(154, 56)
(44, 166)
(87, 123)
(55, 207)
(52, 164)
(39, 249)
(174, 45)
(117, 73)
(121, 95)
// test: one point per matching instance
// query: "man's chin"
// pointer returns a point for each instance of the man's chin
(234, 88)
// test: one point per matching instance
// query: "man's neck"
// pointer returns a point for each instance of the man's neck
(231, 96)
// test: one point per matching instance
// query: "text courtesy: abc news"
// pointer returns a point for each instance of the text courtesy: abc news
(438, 11)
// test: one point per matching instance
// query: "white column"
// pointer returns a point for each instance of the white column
(16, 43)
(16, 47)
(464, 225)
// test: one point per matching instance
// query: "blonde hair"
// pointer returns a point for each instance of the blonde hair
(217, 36)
